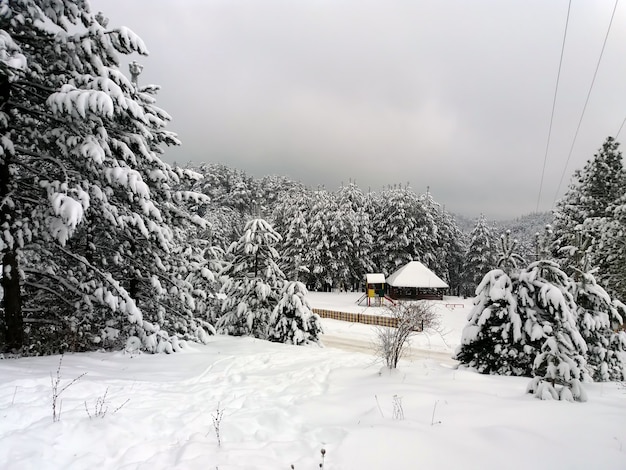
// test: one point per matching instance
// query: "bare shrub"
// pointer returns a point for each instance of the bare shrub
(410, 318)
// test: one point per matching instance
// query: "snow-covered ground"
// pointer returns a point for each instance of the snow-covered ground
(282, 404)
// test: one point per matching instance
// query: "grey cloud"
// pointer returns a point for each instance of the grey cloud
(455, 95)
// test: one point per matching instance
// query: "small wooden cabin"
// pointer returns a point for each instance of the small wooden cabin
(414, 281)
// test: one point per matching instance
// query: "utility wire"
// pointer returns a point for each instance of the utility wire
(620, 128)
(556, 89)
(586, 102)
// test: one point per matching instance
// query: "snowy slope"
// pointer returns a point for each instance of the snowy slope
(282, 404)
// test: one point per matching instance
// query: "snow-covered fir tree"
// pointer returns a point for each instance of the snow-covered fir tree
(480, 257)
(598, 317)
(511, 319)
(611, 243)
(493, 340)
(293, 321)
(586, 208)
(253, 282)
(403, 230)
(560, 366)
(508, 257)
(89, 215)
(354, 235)
(448, 244)
(290, 219)
(320, 259)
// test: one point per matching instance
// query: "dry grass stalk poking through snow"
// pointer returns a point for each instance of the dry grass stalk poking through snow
(101, 407)
(56, 393)
(217, 422)
(411, 317)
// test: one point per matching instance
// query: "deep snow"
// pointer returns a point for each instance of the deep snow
(282, 404)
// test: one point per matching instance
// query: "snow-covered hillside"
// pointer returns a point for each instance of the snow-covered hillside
(282, 404)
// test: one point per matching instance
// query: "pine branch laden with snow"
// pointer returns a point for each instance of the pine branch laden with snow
(108, 219)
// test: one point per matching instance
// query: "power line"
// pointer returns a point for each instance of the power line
(556, 89)
(620, 128)
(586, 102)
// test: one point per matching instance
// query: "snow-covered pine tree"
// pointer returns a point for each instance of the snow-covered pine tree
(560, 366)
(480, 257)
(493, 341)
(253, 282)
(611, 243)
(543, 244)
(404, 230)
(508, 258)
(272, 190)
(290, 219)
(80, 175)
(293, 321)
(597, 315)
(591, 196)
(447, 243)
(353, 237)
(320, 258)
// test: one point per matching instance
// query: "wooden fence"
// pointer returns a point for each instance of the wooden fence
(356, 317)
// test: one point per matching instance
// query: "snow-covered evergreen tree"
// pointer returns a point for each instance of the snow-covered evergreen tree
(290, 219)
(253, 282)
(508, 257)
(494, 340)
(512, 318)
(89, 216)
(320, 259)
(560, 366)
(611, 244)
(481, 253)
(597, 318)
(404, 230)
(586, 208)
(448, 244)
(293, 321)
(353, 236)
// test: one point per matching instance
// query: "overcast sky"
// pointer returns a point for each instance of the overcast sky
(451, 95)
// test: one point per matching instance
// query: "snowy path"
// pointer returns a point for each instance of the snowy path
(365, 346)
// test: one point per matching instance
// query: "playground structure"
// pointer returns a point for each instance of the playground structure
(375, 291)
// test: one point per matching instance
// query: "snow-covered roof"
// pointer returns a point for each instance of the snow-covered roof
(415, 274)
(375, 278)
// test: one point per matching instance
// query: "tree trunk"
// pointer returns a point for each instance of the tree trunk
(12, 301)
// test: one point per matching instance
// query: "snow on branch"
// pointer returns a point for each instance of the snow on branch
(127, 42)
(10, 52)
(128, 178)
(78, 103)
(69, 213)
